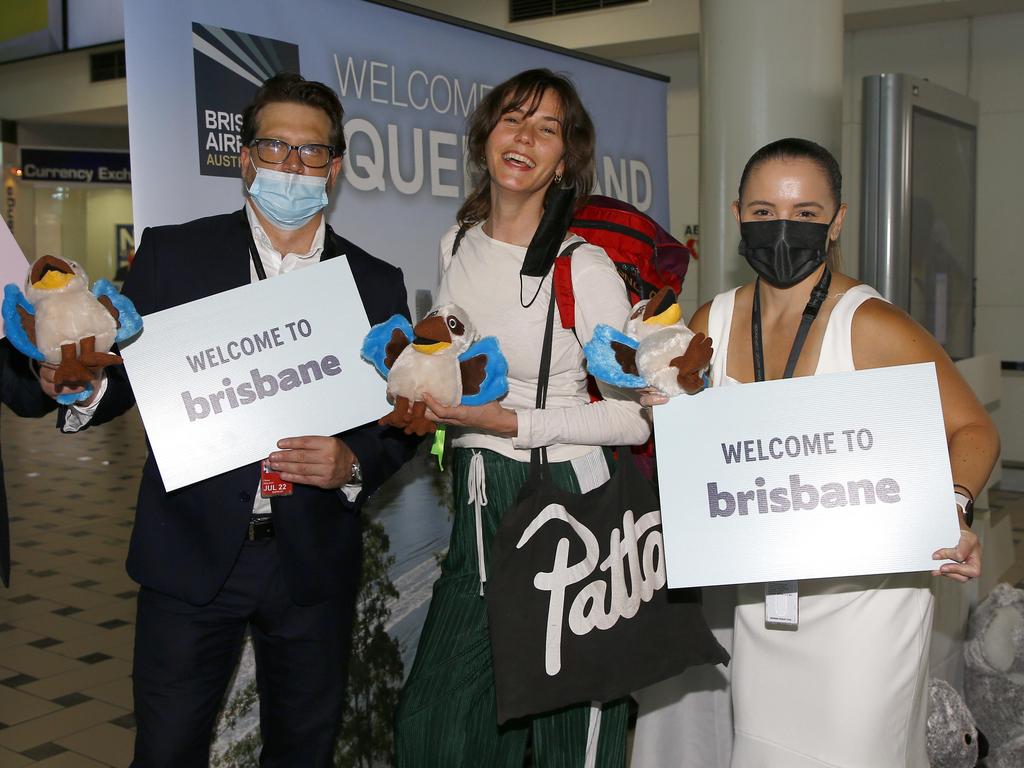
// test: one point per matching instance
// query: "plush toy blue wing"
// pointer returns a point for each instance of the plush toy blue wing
(385, 342)
(128, 318)
(13, 327)
(611, 358)
(484, 372)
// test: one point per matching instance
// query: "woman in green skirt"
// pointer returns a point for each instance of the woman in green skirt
(529, 137)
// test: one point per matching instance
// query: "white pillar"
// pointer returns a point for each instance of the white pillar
(769, 69)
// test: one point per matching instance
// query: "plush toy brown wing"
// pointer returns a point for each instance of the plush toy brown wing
(625, 356)
(695, 359)
(394, 347)
(474, 371)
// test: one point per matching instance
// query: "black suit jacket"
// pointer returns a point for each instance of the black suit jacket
(20, 391)
(185, 542)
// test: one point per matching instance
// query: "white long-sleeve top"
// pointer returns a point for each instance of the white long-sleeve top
(483, 278)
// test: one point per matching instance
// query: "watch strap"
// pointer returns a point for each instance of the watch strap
(966, 503)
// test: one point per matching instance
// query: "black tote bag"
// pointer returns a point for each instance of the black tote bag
(577, 604)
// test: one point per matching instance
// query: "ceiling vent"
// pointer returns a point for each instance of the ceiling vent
(521, 10)
(108, 65)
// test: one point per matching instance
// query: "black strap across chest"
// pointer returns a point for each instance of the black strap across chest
(818, 295)
(539, 456)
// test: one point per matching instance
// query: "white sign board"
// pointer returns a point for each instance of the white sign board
(220, 380)
(835, 475)
(13, 265)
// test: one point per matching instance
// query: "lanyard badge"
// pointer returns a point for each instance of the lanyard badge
(271, 483)
(781, 598)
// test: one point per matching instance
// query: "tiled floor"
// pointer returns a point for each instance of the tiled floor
(67, 622)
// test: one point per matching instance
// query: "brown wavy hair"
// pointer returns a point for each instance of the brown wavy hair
(525, 91)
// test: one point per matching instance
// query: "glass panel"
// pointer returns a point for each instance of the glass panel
(942, 230)
(90, 224)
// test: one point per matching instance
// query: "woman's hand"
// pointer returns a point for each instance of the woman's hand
(967, 557)
(651, 396)
(490, 417)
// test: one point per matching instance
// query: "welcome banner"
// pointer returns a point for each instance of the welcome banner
(407, 84)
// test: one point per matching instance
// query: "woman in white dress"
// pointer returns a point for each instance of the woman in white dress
(848, 688)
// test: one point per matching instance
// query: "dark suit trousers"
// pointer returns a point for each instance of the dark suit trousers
(185, 655)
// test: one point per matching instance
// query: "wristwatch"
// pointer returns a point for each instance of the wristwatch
(356, 478)
(966, 503)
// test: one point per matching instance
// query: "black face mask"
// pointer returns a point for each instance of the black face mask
(783, 251)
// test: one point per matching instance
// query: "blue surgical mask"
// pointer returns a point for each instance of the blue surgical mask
(289, 200)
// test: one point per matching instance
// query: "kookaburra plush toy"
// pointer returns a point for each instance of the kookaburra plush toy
(441, 356)
(63, 323)
(655, 349)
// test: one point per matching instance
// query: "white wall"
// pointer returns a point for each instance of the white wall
(683, 150)
(983, 58)
(54, 85)
(650, 21)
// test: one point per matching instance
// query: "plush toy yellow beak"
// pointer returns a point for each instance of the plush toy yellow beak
(53, 280)
(432, 335)
(662, 309)
(670, 316)
(430, 349)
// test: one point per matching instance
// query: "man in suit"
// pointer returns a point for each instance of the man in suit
(19, 392)
(215, 558)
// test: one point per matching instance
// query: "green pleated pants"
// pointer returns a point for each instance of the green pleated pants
(447, 715)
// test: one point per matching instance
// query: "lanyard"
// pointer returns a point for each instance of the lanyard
(818, 295)
(254, 254)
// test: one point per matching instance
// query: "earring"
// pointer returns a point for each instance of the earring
(558, 178)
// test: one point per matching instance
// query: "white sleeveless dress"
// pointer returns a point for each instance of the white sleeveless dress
(848, 688)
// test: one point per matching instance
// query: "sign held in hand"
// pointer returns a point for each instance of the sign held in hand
(220, 380)
(835, 475)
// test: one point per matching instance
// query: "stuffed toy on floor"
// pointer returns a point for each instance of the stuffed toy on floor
(994, 674)
(61, 322)
(440, 356)
(952, 735)
(655, 349)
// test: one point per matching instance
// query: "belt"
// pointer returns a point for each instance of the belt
(260, 529)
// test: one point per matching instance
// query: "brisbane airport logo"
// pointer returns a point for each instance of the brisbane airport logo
(229, 67)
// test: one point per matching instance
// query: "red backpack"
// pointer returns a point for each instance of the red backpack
(646, 256)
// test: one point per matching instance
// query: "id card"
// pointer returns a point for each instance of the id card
(781, 603)
(271, 483)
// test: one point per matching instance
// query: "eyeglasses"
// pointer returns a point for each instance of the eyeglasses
(277, 151)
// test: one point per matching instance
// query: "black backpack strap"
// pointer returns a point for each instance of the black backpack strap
(458, 237)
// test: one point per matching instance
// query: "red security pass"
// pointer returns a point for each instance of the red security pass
(271, 483)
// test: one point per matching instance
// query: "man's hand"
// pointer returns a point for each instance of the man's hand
(325, 462)
(46, 372)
